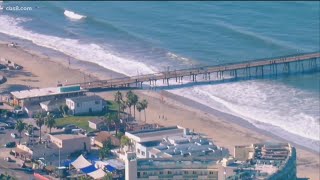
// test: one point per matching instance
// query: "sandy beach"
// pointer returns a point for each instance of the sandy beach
(165, 109)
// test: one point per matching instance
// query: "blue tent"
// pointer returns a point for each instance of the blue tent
(89, 169)
(92, 157)
(67, 163)
(110, 168)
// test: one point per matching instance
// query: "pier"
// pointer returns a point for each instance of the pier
(259, 67)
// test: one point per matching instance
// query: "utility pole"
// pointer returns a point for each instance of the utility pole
(59, 158)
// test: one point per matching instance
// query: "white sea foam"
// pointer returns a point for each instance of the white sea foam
(73, 15)
(87, 52)
(290, 109)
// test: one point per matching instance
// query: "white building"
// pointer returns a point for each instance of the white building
(85, 104)
(35, 96)
(52, 105)
(172, 168)
(69, 143)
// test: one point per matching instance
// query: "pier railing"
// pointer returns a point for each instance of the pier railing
(233, 68)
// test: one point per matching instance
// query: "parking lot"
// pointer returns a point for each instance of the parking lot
(5, 135)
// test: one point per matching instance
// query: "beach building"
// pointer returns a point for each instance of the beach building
(36, 151)
(171, 142)
(35, 96)
(69, 143)
(202, 168)
(105, 136)
(269, 161)
(52, 105)
(85, 104)
(96, 124)
(138, 125)
(173, 153)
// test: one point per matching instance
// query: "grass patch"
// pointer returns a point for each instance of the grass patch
(80, 121)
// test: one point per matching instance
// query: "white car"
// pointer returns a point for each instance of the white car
(14, 135)
(27, 134)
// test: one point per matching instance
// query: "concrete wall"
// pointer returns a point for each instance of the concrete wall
(141, 151)
(71, 145)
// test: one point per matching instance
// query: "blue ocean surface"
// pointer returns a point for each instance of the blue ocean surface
(145, 37)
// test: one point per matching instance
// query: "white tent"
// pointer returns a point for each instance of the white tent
(80, 163)
(98, 174)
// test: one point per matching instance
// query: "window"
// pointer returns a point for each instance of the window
(138, 174)
(194, 172)
(169, 172)
(97, 102)
(138, 151)
(143, 153)
(186, 172)
(211, 172)
(161, 172)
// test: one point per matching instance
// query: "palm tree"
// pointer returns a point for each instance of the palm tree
(144, 104)
(123, 106)
(116, 124)
(129, 99)
(134, 101)
(139, 108)
(118, 99)
(125, 141)
(29, 129)
(50, 122)
(109, 119)
(20, 126)
(40, 122)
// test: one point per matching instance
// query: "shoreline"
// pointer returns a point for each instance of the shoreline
(233, 119)
(203, 115)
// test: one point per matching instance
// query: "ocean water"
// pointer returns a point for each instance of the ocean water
(137, 38)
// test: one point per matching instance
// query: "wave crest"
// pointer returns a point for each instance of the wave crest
(73, 15)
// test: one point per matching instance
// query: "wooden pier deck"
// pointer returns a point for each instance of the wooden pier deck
(207, 71)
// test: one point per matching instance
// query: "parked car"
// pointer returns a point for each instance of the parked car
(76, 131)
(9, 125)
(10, 144)
(14, 135)
(70, 126)
(90, 134)
(2, 129)
(27, 133)
(8, 159)
(28, 170)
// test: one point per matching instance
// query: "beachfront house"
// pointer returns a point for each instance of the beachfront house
(35, 96)
(85, 104)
